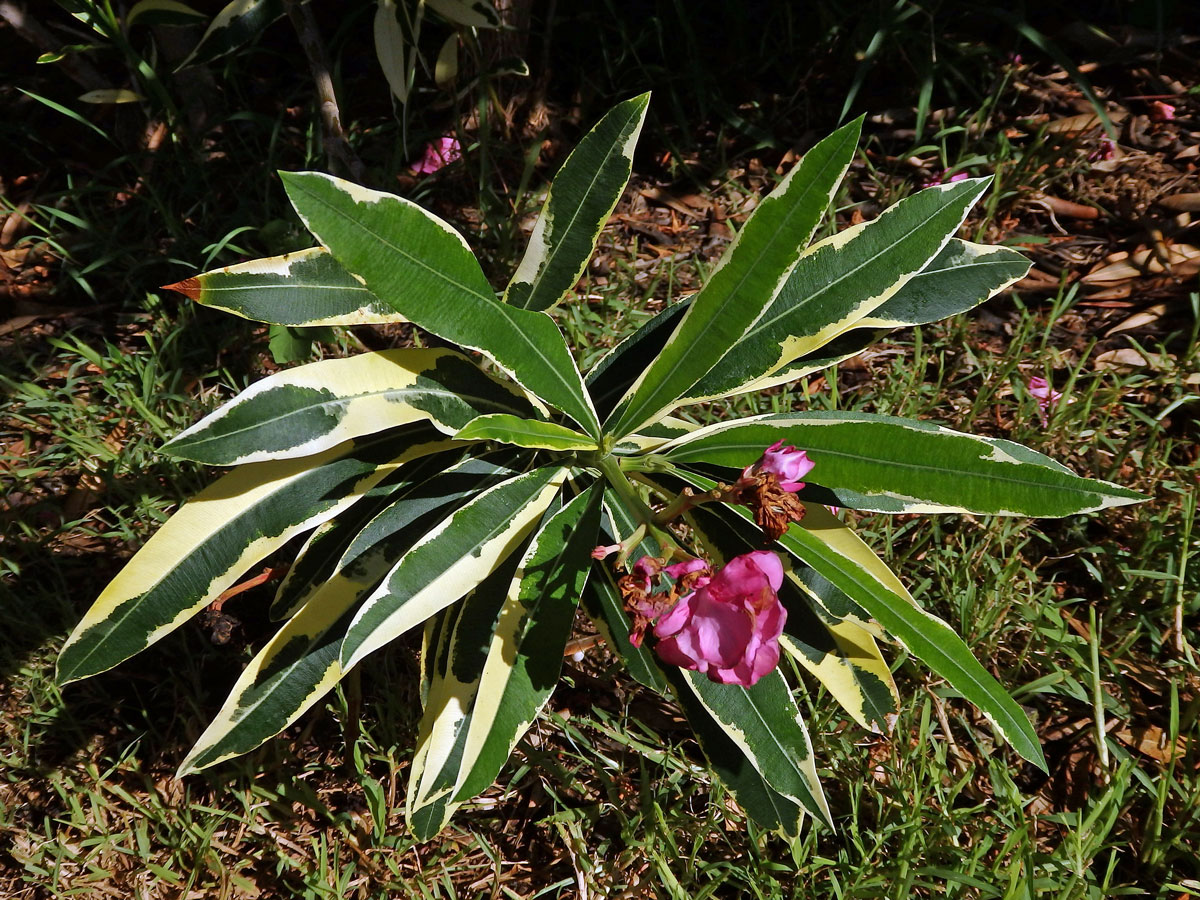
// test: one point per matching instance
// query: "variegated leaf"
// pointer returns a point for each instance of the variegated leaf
(308, 408)
(838, 281)
(238, 23)
(959, 278)
(391, 49)
(305, 288)
(524, 432)
(886, 464)
(584, 193)
(616, 371)
(451, 560)
(471, 13)
(421, 266)
(754, 269)
(302, 662)
(213, 539)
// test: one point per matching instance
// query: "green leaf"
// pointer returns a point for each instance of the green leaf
(470, 13)
(765, 724)
(289, 345)
(765, 805)
(308, 287)
(751, 273)
(161, 12)
(392, 49)
(959, 278)
(213, 539)
(302, 662)
(238, 23)
(423, 267)
(451, 560)
(840, 280)
(525, 653)
(523, 432)
(584, 193)
(886, 464)
(616, 371)
(502, 662)
(309, 408)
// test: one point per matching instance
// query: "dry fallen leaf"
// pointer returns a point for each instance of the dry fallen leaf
(1128, 358)
(1183, 261)
(1181, 202)
(1147, 316)
(1150, 740)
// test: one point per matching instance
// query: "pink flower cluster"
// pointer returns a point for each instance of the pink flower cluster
(728, 628)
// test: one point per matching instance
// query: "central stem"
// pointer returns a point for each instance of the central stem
(624, 488)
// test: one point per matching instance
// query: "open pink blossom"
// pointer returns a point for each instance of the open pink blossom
(788, 463)
(729, 626)
(942, 179)
(438, 153)
(1045, 396)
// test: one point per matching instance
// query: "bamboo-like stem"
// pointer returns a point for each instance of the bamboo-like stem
(337, 148)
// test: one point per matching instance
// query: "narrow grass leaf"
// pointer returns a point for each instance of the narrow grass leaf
(750, 275)
(309, 408)
(582, 197)
(422, 267)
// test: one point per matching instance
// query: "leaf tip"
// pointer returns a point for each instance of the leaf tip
(189, 287)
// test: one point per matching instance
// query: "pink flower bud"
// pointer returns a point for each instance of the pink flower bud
(729, 627)
(605, 550)
(787, 463)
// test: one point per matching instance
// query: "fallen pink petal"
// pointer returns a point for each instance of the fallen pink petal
(1045, 396)
(1161, 112)
(438, 154)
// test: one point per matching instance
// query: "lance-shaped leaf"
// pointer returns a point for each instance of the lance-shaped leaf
(305, 288)
(471, 13)
(238, 23)
(616, 371)
(887, 464)
(526, 650)
(503, 663)
(212, 540)
(326, 547)
(840, 654)
(764, 722)
(765, 805)
(584, 193)
(958, 279)
(451, 560)
(838, 281)
(423, 268)
(522, 432)
(302, 662)
(753, 270)
(309, 408)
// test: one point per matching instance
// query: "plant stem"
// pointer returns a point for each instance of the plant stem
(617, 479)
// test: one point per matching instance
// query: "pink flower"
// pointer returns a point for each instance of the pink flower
(1161, 112)
(729, 626)
(787, 463)
(1045, 396)
(441, 152)
(942, 179)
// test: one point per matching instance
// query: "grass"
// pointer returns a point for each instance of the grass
(606, 796)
